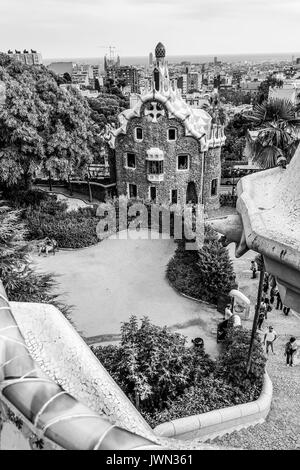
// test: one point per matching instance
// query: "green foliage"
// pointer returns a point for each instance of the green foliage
(233, 361)
(202, 274)
(21, 282)
(278, 128)
(209, 394)
(42, 126)
(270, 82)
(227, 199)
(73, 229)
(166, 380)
(235, 97)
(152, 364)
(235, 132)
(107, 107)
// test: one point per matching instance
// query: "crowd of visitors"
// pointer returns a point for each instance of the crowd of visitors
(271, 300)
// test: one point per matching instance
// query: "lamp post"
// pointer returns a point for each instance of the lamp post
(255, 319)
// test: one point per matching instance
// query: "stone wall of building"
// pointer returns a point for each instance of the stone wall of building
(155, 135)
(212, 170)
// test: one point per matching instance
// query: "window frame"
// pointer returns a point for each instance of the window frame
(168, 137)
(152, 186)
(126, 161)
(215, 187)
(135, 134)
(171, 198)
(188, 162)
(128, 190)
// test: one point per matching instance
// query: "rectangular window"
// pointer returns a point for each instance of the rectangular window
(153, 193)
(132, 190)
(130, 160)
(182, 162)
(214, 187)
(155, 167)
(174, 196)
(171, 134)
(139, 133)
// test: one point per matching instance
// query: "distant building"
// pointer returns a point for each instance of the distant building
(111, 65)
(26, 57)
(60, 68)
(130, 76)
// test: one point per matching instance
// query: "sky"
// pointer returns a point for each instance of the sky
(85, 28)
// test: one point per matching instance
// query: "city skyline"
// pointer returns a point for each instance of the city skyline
(65, 28)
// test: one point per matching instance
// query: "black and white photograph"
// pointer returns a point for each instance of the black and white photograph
(149, 228)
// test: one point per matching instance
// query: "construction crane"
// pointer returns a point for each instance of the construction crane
(111, 50)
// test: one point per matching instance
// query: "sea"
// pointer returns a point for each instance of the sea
(193, 59)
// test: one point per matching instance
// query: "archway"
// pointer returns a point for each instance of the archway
(191, 193)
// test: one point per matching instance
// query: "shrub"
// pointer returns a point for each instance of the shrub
(228, 199)
(166, 380)
(233, 361)
(73, 229)
(202, 274)
(20, 198)
(152, 365)
(209, 394)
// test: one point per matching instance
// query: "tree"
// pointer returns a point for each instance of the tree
(278, 126)
(235, 132)
(215, 273)
(263, 89)
(42, 126)
(20, 281)
(203, 274)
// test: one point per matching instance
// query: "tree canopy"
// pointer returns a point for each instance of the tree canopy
(42, 126)
(278, 127)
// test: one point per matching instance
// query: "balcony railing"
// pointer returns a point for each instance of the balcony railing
(155, 178)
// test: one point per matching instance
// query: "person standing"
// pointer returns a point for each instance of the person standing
(228, 312)
(286, 310)
(269, 339)
(290, 351)
(253, 268)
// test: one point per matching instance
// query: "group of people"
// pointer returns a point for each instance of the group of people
(270, 294)
(290, 347)
(49, 245)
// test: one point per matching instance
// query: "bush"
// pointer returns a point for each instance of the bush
(228, 199)
(209, 394)
(166, 380)
(74, 229)
(20, 198)
(152, 365)
(203, 274)
(233, 361)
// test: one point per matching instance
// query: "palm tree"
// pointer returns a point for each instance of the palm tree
(278, 131)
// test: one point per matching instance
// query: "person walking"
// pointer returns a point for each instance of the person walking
(261, 318)
(253, 268)
(290, 350)
(269, 339)
(278, 302)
